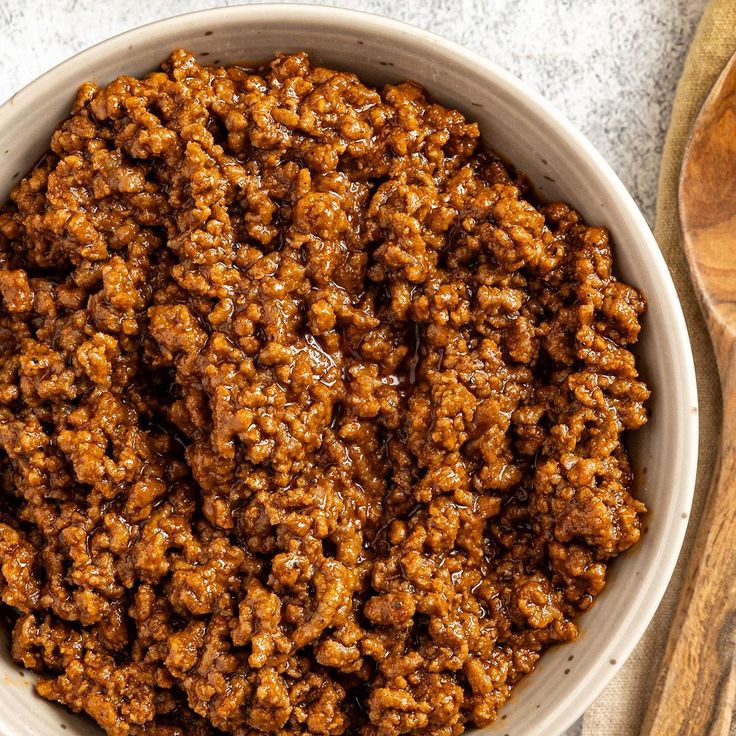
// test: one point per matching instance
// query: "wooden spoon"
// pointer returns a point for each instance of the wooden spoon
(696, 687)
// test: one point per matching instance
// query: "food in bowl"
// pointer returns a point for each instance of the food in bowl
(311, 414)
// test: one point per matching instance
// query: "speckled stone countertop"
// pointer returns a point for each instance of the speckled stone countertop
(611, 67)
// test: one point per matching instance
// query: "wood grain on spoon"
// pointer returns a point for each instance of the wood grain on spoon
(696, 687)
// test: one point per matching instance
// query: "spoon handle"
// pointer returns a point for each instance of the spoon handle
(695, 690)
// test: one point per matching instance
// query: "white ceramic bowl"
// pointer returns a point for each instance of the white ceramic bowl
(562, 164)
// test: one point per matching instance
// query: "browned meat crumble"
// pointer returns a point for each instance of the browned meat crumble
(310, 415)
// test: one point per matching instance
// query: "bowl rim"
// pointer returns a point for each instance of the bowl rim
(563, 713)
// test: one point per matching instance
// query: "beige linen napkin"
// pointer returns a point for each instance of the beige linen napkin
(619, 711)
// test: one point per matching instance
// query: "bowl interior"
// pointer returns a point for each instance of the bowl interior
(562, 165)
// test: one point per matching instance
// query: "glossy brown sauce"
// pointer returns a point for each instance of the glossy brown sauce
(310, 415)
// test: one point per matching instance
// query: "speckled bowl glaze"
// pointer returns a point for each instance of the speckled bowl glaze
(524, 129)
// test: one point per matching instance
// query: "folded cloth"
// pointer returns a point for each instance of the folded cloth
(620, 710)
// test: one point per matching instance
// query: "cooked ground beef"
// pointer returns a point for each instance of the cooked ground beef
(311, 416)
